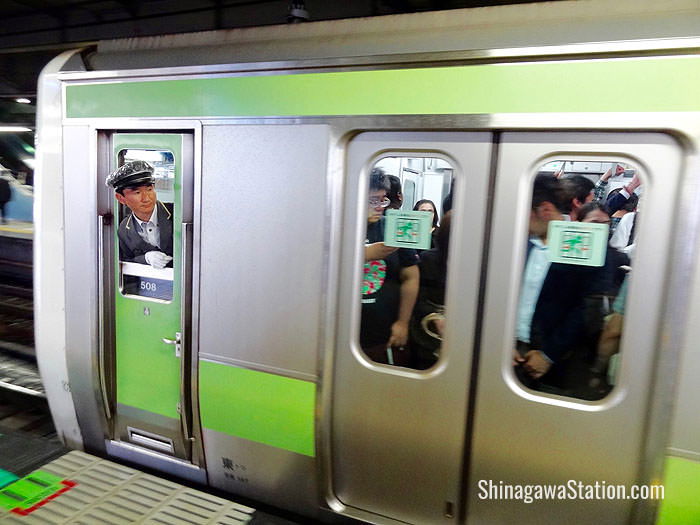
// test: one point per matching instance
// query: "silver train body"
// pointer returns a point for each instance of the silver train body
(254, 382)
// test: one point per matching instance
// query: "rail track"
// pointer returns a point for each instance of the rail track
(18, 370)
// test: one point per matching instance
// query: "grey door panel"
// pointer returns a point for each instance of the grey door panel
(523, 437)
(397, 434)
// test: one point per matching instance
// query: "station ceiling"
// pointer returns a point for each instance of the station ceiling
(32, 32)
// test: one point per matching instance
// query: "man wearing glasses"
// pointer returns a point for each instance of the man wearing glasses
(389, 287)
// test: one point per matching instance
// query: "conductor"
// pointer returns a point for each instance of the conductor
(145, 234)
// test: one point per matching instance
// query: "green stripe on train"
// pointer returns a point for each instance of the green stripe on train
(681, 504)
(266, 408)
(625, 85)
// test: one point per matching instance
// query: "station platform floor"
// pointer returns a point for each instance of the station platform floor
(19, 229)
(78, 488)
(42, 483)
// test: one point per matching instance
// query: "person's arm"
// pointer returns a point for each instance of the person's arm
(536, 363)
(410, 280)
(126, 254)
(157, 259)
(129, 253)
(616, 202)
(560, 315)
(633, 185)
(517, 358)
(439, 325)
(601, 186)
(377, 250)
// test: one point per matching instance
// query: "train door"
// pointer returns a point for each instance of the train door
(571, 445)
(399, 418)
(151, 301)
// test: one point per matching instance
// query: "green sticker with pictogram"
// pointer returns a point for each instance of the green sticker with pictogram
(33, 491)
(408, 229)
(581, 243)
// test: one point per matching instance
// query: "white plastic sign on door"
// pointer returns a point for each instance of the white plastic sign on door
(579, 243)
(408, 229)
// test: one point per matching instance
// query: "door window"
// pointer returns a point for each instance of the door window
(146, 228)
(405, 261)
(582, 232)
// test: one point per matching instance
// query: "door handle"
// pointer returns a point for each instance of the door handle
(177, 342)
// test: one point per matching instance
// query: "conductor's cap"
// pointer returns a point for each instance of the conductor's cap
(132, 173)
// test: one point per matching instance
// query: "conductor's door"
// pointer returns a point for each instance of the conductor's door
(149, 276)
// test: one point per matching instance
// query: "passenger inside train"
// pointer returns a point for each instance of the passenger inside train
(415, 300)
(569, 319)
(390, 284)
(145, 233)
(577, 191)
(428, 205)
(395, 194)
(428, 320)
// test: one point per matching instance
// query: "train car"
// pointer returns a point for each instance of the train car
(239, 365)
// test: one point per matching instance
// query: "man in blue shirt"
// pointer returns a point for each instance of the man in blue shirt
(546, 207)
(550, 316)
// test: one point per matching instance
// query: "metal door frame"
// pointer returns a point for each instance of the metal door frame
(191, 169)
